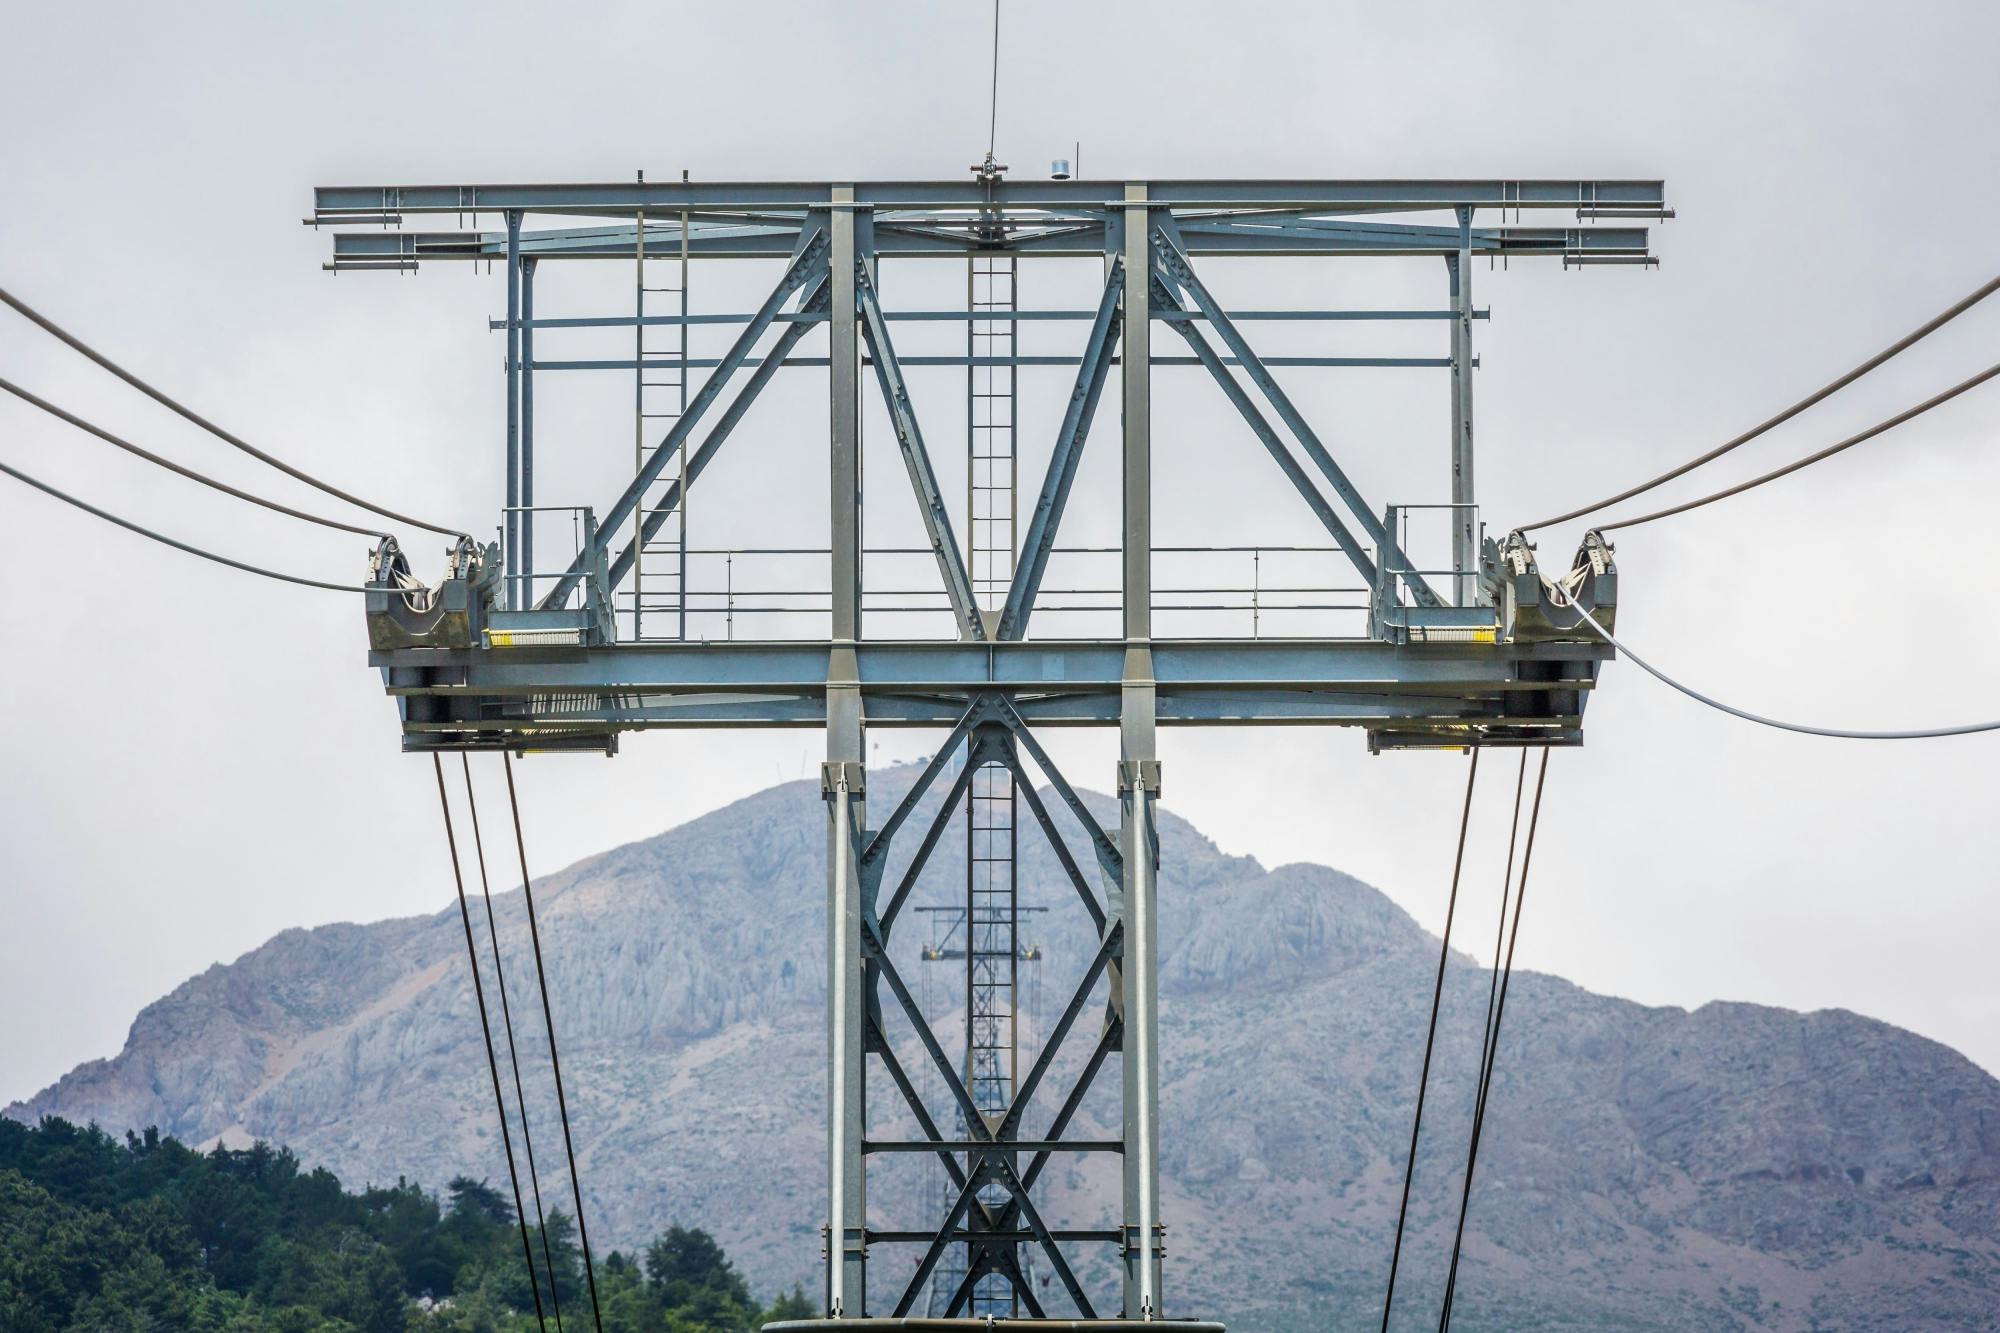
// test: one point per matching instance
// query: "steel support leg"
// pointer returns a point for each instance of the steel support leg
(843, 782)
(1138, 785)
(527, 488)
(510, 530)
(1464, 526)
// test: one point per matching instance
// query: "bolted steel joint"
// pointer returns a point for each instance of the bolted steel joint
(836, 775)
(1142, 774)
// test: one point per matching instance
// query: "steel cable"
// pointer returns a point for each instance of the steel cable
(513, 1054)
(555, 1062)
(1491, 1045)
(1894, 349)
(486, 1031)
(1563, 598)
(77, 345)
(993, 108)
(1828, 452)
(27, 397)
(1430, 1039)
(178, 545)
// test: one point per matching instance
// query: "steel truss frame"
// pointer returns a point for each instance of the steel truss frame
(1479, 660)
(994, 733)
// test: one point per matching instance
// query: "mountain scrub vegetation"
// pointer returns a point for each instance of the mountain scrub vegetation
(150, 1234)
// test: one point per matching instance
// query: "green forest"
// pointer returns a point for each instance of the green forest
(98, 1235)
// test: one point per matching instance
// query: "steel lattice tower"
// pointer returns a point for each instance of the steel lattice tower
(524, 653)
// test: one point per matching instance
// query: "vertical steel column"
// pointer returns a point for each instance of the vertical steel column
(1464, 521)
(844, 395)
(843, 785)
(510, 530)
(687, 480)
(639, 417)
(528, 431)
(1138, 787)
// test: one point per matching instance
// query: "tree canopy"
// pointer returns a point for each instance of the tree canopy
(147, 1233)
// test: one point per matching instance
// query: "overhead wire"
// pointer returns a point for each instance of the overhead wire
(513, 1055)
(1430, 1039)
(993, 107)
(77, 345)
(179, 545)
(1497, 1001)
(191, 474)
(555, 1061)
(1828, 452)
(1894, 349)
(486, 1031)
(1565, 596)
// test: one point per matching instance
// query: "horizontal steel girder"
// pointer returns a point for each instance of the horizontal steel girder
(1448, 693)
(667, 198)
(1219, 236)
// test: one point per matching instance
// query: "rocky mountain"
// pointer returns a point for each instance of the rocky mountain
(1732, 1167)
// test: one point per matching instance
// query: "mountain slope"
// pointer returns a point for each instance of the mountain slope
(1732, 1167)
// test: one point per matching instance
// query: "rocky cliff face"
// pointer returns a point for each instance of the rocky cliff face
(1734, 1167)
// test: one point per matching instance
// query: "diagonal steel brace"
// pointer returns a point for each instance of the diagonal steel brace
(1090, 377)
(1173, 265)
(808, 262)
(917, 459)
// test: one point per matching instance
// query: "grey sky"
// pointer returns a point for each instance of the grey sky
(194, 760)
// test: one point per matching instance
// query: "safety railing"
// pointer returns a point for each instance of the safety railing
(1251, 591)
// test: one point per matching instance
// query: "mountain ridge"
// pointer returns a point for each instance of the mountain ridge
(1731, 1165)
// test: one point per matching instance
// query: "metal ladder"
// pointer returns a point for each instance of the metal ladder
(659, 398)
(992, 917)
(992, 471)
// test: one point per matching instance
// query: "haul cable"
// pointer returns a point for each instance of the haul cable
(179, 545)
(1491, 1045)
(76, 344)
(1430, 1038)
(1894, 349)
(1563, 595)
(171, 466)
(555, 1062)
(1934, 401)
(513, 1055)
(486, 1031)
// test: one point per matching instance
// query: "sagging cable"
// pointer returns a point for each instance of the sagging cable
(1894, 349)
(179, 545)
(1563, 593)
(90, 353)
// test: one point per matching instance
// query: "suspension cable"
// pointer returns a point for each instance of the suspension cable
(1828, 452)
(1491, 1045)
(513, 1055)
(993, 107)
(171, 466)
(1493, 976)
(1901, 345)
(555, 1062)
(1563, 597)
(486, 1031)
(76, 344)
(178, 545)
(1430, 1039)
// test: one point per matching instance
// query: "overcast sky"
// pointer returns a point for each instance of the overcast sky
(194, 760)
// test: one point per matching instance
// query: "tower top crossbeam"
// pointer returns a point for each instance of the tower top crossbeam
(1474, 659)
